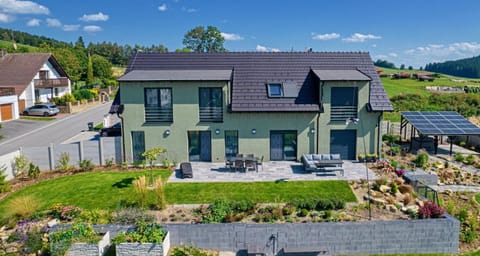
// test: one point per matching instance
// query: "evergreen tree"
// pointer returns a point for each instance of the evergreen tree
(89, 79)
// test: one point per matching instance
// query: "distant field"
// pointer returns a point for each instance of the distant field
(118, 71)
(20, 47)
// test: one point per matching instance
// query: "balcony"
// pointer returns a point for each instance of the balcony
(342, 113)
(51, 83)
(7, 91)
(211, 114)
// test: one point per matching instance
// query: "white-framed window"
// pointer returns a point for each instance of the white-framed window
(275, 90)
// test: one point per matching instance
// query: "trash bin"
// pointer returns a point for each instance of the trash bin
(90, 126)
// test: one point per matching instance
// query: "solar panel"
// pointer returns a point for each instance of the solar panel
(440, 123)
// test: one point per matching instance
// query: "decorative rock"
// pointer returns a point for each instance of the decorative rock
(419, 202)
(52, 223)
(374, 200)
(464, 197)
(384, 188)
(391, 207)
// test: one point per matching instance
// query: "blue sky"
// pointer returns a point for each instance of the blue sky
(406, 32)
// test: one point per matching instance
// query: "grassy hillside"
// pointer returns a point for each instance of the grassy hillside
(7, 45)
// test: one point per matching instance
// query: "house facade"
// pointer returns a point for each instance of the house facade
(208, 106)
(35, 77)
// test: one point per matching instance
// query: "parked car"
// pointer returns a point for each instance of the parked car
(114, 130)
(46, 109)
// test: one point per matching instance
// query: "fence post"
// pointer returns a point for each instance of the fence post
(100, 150)
(51, 157)
(80, 148)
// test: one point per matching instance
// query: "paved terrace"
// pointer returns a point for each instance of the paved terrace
(272, 171)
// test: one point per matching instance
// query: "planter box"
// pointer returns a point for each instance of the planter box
(138, 249)
(422, 176)
(99, 248)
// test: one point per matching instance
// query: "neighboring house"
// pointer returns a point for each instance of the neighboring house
(8, 104)
(35, 77)
(206, 106)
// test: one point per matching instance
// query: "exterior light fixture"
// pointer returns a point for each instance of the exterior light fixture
(167, 132)
(312, 130)
(254, 131)
(217, 131)
(351, 120)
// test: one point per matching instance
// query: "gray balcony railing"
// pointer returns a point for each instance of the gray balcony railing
(211, 114)
(156, 114)
(342, 113)
(51, 83)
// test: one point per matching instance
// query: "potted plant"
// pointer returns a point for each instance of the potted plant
(79, 239)
(361, 158)
(144, 239)
(371, 157)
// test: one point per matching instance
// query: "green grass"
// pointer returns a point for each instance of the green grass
(40, 118)
(111, 190)
(262, 192)
(8, 45)
(95, 190)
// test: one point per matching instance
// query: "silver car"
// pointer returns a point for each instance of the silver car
(46, 109)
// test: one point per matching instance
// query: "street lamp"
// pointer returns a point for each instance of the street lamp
(355, 121)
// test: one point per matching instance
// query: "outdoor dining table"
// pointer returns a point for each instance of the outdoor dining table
(231, 160)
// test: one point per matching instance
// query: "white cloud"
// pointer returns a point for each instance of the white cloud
(231, 37)
(324, 37)
(53, 23)
(359, 38)
(162, 7)
(70, 27)
(33, 23)
(92, 29)
(392, 54)
(261, 48)
(22, 7)
(5, 18)
(94, 17)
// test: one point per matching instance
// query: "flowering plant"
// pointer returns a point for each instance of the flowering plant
(400, 172)
(430, 210)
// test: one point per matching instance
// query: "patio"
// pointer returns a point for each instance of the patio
(272, 171)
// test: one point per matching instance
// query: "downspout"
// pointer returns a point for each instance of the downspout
(317, 133)
(379, 141)
(122, 136)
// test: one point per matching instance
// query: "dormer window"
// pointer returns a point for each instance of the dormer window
(275, 90)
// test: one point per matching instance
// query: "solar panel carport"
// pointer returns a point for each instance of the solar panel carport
(437, 123)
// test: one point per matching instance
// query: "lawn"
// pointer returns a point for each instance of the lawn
(113, 189)
(37, 118)
(96, 190)
(262, 192)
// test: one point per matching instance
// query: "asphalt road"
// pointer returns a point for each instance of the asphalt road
(28, 133)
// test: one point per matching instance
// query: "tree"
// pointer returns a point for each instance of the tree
(402, 66)
(410, 68)
(89, 79)
(200, 39)
(102, 68)
(184, 49)
(384, 64)
(80, 44)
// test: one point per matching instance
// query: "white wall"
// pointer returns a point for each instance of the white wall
(8, 100)
(7, 161)
(46, 94)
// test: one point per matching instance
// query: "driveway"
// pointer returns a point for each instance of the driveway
(32, 133)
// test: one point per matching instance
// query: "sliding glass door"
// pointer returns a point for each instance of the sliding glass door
(283, 145)
(199, 146)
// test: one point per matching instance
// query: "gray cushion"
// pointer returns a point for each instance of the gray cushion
(325, 157)
(308, 157)
(316, 157)
(335, 156)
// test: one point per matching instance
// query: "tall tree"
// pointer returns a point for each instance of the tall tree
(200, 39)
(89, 80)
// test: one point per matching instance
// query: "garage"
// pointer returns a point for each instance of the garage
(6, 112)
(343, 142)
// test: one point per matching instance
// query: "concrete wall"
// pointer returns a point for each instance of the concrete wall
(185, 100)
(372, 237)
(139, 249)
(98, 249)
(7, 162)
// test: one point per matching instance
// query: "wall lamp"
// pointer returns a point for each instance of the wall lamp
(351, 120)
(312, 130)
(254, 131)
(217, 131)
(167, 132)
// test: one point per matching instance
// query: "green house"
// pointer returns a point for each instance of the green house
(208, 106)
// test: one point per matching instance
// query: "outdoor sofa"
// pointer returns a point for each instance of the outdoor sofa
(322, 163)
(186, 170)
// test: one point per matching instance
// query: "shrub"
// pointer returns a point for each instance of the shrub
(393, 188)
(459, 157)
(95, 216)
(86, 165)
(128, 216)
(143, 233)
(217, 211)
(470, 159)
(395, 150)
(84, 94)
(303, 213)
(430, 210)
(421, 159)
(22, 207)
(400, 172)
(185, 250)
(109, 162)
(288, 210)
(63, 163)
(62, 239)
(405, 188)
(4, 185)
(33, 171)
(390, 138)
(64, 99)
(245, 205)
(20, 165)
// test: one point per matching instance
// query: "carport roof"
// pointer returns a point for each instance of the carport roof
(440, 123)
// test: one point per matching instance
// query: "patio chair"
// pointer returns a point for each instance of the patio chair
(260, 162)
(228, 164)
(250, 165)
(239, 155)
(238, 165)
(250, 155)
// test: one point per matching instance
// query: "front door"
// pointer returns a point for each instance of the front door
(343, 142)
(283, 145)
(138, 145)
(199, 146)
